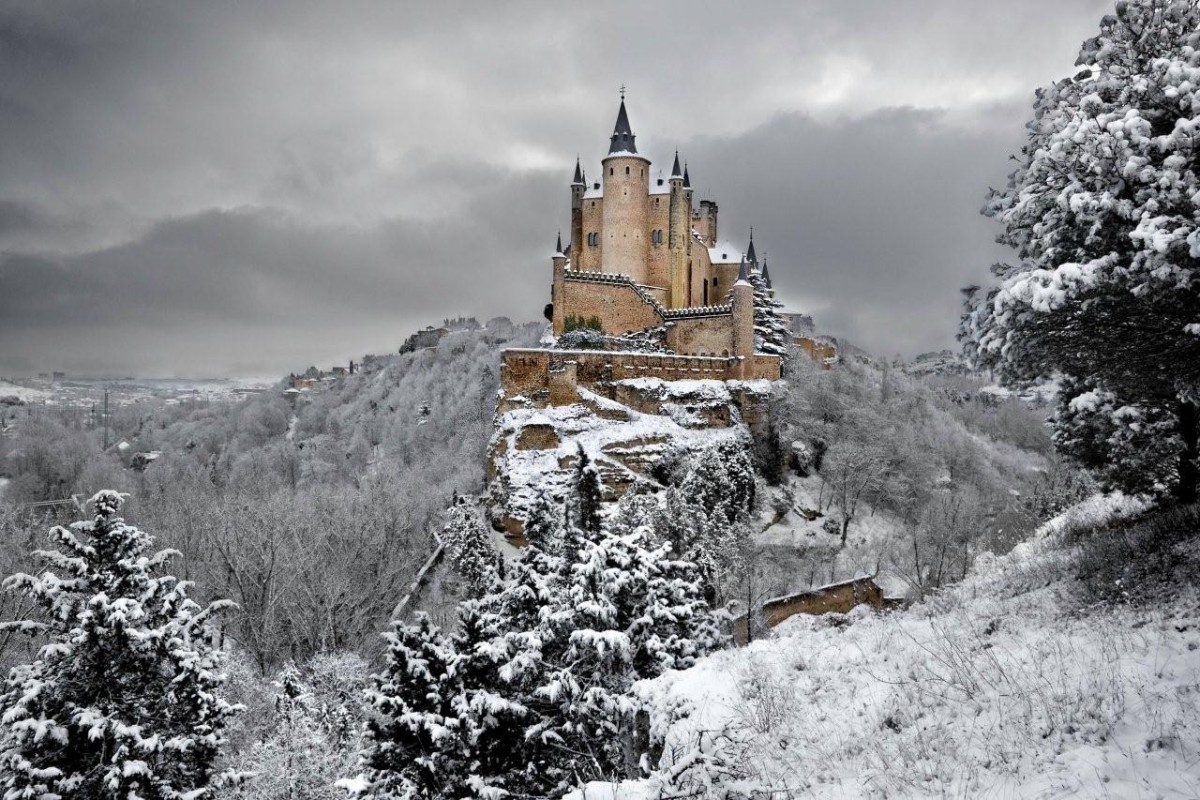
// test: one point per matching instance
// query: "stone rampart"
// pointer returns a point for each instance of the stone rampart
(527, 371)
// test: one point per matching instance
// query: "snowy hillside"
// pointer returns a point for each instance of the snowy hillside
(1043, 674)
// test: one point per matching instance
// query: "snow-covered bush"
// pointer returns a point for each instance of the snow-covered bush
(124, 699)
(582, 339)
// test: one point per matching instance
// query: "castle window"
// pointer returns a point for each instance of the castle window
(627, 170)
(714, 283)
(610, 170)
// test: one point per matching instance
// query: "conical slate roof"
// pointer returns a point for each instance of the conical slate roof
(578, 172)
(687, 182)
(742, 277)
(675, 172)
(558, 244)
(750, 256)
(622, 138)
(766, 276)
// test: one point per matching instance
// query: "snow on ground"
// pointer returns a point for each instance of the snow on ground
(1007, 685)
(804, 555)
(26, 394)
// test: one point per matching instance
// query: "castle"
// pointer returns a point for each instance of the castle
(643, 257)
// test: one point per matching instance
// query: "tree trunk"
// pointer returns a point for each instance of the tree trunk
(1189, 460)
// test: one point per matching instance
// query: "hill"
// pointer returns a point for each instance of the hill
(1068, 667)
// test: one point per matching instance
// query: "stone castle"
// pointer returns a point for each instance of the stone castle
(643, 257)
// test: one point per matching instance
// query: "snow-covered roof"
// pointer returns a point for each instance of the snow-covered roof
(626, 154)
(725, 252)
(663, 188)
(593, 191)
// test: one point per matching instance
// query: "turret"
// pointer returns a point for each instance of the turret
(559, 260)
(743, 319)
(626, 176)
(578, 187)
(679, 238)
(750, 255)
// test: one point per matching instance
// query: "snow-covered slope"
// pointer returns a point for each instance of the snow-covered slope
(1014, 683)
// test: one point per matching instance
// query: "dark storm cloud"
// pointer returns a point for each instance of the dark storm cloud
(207, 187)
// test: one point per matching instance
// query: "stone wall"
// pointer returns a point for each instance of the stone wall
(616, 302)
(530, 372)
(837, 599)
(701, 334)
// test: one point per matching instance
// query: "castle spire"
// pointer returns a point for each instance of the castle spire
(558, 244)
(742, 277)
(687, 182)
(622, 138)
(578, 173)
(750, 256)
(675, 172)
(766, 276)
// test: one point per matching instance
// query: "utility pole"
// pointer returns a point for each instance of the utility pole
(106, 419)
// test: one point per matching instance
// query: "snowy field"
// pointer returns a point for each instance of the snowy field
(1007, 685)
(26, 394)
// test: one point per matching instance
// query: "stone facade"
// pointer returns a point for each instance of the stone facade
(548, 373)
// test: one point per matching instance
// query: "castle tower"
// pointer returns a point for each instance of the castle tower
(626, 177)
(559, 262)
(578, 186)
(751, 256)
(743, 318)
(679, 238)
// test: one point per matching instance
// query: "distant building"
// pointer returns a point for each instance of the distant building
(424, 339)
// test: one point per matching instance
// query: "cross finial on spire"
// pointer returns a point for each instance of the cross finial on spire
(622, 91)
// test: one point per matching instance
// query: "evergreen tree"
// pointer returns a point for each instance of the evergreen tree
(415, 744)
(629, 613)
(587, 494)
(469, 545)
(1103, 212)
(494, 720)
(544, 525)
(123, 700)
(771, 332)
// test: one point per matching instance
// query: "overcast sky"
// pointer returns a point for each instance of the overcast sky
(248, 188)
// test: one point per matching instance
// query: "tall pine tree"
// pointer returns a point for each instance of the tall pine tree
(123, 700)
(416, 742)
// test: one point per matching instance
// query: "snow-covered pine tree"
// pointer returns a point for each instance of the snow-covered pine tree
(1103, 212)
(629, 613)
(493, 722)
(469, 545)
(587, 494)
(771, 332)
(123, 700)
(544, 524)
(416, 742)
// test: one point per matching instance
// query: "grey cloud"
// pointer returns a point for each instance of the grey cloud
(238, 185)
